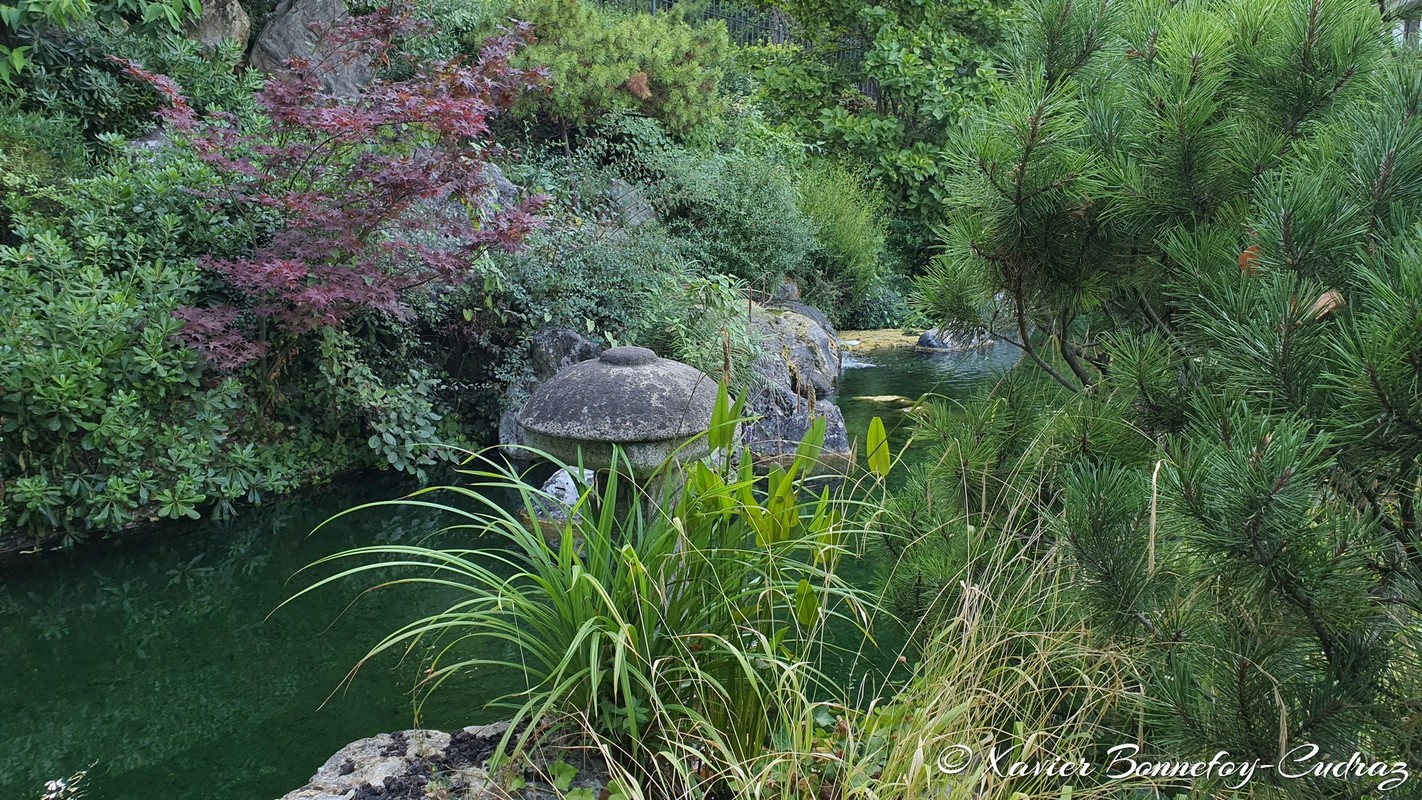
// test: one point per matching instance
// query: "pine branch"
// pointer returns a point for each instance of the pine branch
(1032, 351)
(1065, 348)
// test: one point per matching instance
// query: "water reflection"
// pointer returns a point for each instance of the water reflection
(876, 378)
(155, 659)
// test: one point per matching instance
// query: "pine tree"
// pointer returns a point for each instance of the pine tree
(1199, 219)
(603, 60)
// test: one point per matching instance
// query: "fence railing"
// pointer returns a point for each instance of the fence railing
(745, 26)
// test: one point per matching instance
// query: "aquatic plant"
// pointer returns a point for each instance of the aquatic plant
(676, 622)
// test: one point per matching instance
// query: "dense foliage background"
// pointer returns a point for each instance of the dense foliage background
(1188, 519)
(179, 338)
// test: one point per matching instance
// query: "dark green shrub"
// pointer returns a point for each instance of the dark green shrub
(736, 214)
(35, 152)
(39, 150)
(884, 303)
(29, 30)
(885, 82)
(73, 75)
(589, 277)
(104, 416)
(157, 195)
(702, 321)
(849, 252)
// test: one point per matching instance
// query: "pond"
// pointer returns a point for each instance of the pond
(158, 660)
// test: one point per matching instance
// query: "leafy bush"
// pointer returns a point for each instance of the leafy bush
(590, 277)
(159, 195)
(104, 417)
(849, 250)
(39, 150)
(114, 419)
(703, 322)
(884, 303)
(737, 215)
(886, 83)
(402, 405)
(73, 74)
(35, 152)
(603, 60)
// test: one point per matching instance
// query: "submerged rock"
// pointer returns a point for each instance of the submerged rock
(886, 399)
(940, 339)
(880, 339)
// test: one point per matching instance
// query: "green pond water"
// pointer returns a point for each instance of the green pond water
(160, 663)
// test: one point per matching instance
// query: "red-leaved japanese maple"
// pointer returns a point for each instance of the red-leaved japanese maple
(378, 193)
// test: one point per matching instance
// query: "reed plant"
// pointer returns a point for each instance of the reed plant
(674, 622)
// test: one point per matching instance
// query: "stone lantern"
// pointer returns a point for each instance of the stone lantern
(627, 397)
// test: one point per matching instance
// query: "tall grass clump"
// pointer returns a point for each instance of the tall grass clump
(675, 624)
(1011, 672)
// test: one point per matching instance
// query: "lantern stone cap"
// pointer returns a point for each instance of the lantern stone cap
(626, 395)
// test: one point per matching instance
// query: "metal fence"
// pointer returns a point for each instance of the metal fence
(745, 26)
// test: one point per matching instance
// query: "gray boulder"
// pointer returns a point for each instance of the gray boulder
(221, 20)
(553, 349)
(783, 419)
(807, 347)
(403, 763)
(501, 192)
(820, 317)
(787, 290)
(797, 372)
(151, 142)
(428, 764)
(289, 35)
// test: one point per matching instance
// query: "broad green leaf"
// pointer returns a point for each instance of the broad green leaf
(561, 773)
(722, 422)
(807, 603)
(809, 448)
(878, 448)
